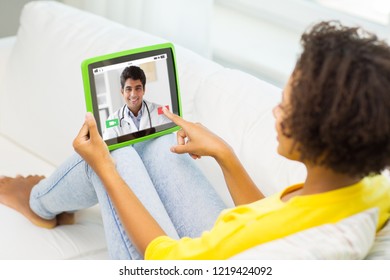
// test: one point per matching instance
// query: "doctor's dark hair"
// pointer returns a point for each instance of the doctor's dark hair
(134, 73)
(339, 116)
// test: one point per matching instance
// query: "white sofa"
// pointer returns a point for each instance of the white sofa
(42, 108)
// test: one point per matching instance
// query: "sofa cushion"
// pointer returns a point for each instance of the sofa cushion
(43, 104)
(43, 83)
(21, 240)
(381, 247)
(350, 238)
(20, 162)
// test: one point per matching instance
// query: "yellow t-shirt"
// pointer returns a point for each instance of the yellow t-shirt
(246, 226)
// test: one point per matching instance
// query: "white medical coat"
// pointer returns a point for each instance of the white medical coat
(126, 124)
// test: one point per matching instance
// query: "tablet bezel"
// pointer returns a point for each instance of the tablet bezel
(90, 92)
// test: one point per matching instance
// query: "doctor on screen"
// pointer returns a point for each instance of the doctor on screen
(137, 114)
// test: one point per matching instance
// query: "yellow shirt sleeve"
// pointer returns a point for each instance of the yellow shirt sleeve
(208, 245)
(245, 226)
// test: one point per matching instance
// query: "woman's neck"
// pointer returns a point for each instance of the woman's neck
(320, 179)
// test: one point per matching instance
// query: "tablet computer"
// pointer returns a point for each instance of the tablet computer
(126, 92)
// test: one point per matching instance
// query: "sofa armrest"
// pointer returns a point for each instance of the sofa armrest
(6, 45)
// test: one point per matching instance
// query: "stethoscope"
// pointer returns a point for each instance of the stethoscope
(123, 114)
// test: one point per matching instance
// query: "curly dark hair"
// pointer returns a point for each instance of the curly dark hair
(340, 100)
(134, 73)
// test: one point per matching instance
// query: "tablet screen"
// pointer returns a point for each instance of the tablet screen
(127, 91)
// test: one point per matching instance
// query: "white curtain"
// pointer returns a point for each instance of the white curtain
(185, 22)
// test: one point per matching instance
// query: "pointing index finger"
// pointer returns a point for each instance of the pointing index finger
(175, 118)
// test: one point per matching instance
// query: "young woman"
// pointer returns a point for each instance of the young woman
(334, 117)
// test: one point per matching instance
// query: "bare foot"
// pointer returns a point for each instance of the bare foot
(15, 193)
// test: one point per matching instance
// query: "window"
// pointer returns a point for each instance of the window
(377, 11)
(262, 36)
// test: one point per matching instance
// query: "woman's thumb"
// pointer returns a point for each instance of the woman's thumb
(91, 124)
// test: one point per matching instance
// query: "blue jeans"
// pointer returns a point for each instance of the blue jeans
(171, 187)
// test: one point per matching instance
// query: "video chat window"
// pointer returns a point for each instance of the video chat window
(136, 109)
(127, 91)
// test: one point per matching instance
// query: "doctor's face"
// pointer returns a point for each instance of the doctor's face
(133, 93)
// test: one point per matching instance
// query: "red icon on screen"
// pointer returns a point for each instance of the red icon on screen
(160, 109)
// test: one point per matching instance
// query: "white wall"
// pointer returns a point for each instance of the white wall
(252, 44)
(262, 36)
(9, 16)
